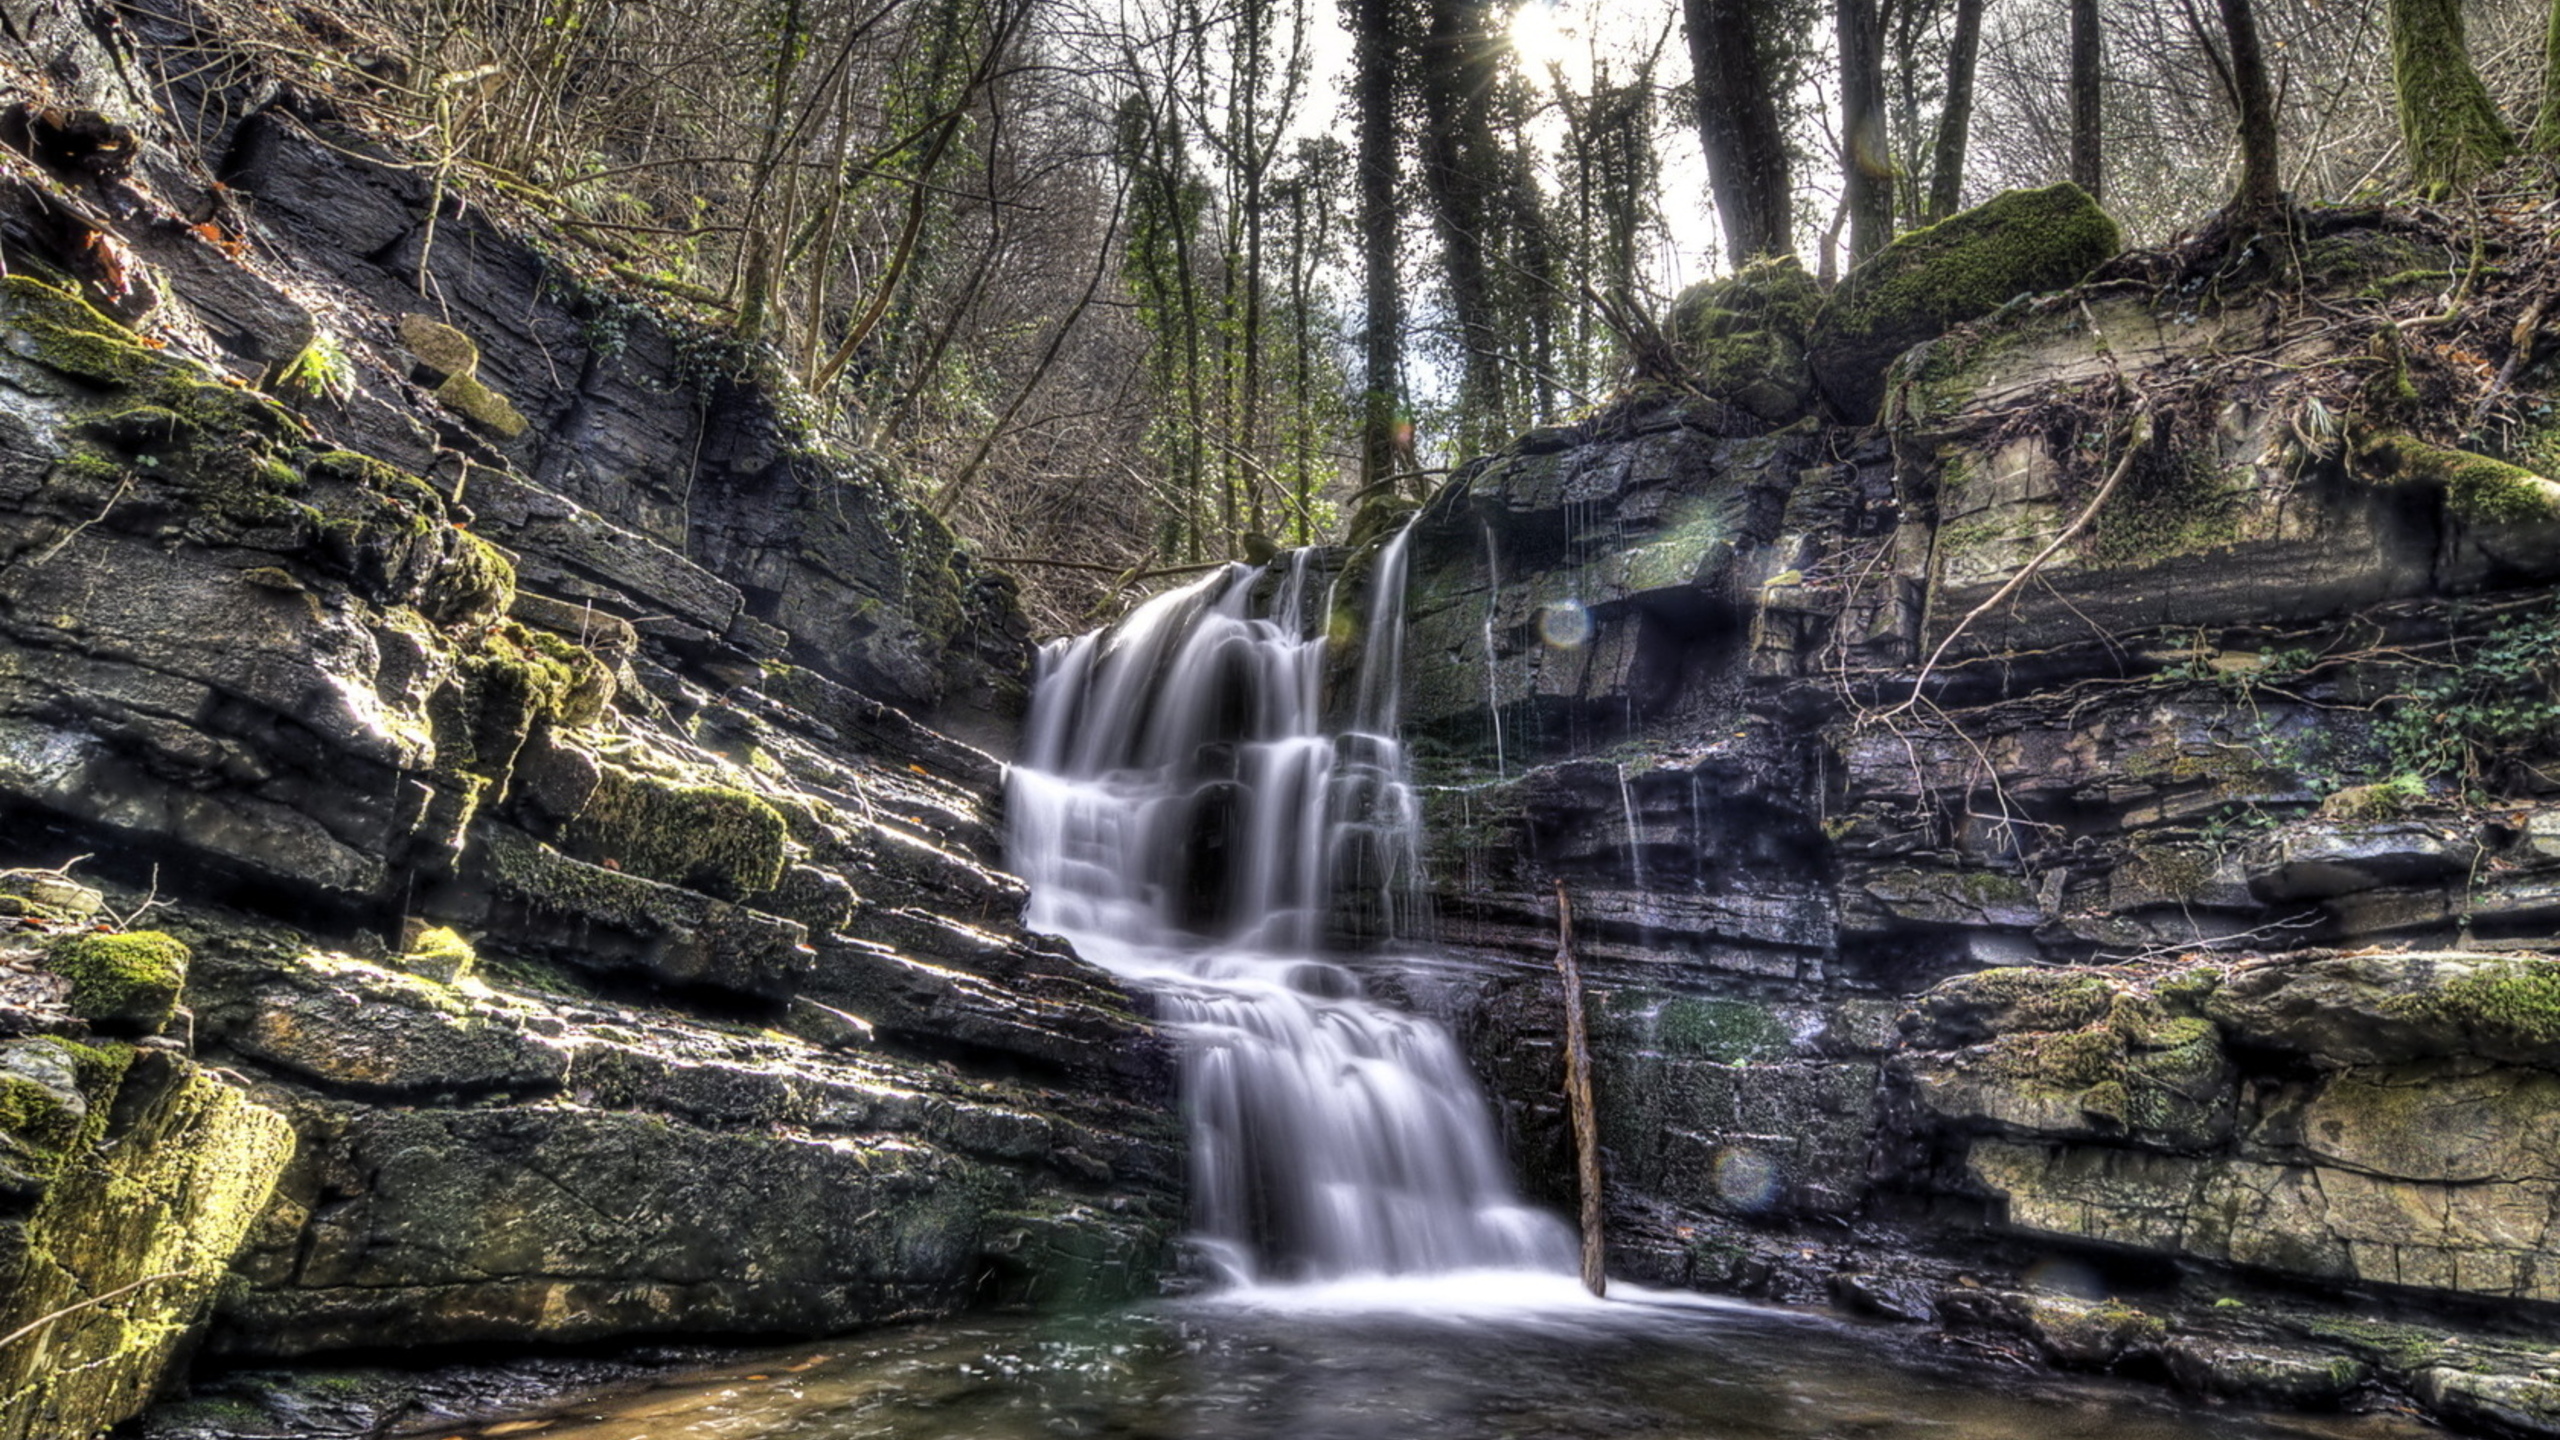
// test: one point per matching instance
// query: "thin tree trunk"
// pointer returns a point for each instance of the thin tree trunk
(2261, 197)
(1375, 54)
(1738, 127)
(1955, 121)
(2546, 125)
(1866, 161)
(1578, 1099)
(2088, 66)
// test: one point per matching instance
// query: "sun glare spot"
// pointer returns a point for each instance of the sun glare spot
(1547, 35)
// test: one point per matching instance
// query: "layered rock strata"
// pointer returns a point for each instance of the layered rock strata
(540, 746)
(2175, 648)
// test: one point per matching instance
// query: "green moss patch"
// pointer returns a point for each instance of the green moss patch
(70, 336)
(131, 980)
(1743, 336)
(2513, 1004)
(474, 401)
(1931, 280)
(717, 839)
(439, 953)
(2476, 488)
(473, 583)
(1731, 1032)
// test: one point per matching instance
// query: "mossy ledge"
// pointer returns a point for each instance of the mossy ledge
(150, 1198)
(717, 839)
(130, 981)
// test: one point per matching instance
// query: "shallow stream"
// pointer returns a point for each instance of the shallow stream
(1450, 1358)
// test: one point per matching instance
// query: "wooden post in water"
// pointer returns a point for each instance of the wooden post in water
(1577, 1098)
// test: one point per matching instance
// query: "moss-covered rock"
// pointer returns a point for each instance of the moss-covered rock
(1932, 280)
(2477, 488)
(440, 349)
(66, 334)
(127, 983)
(1976, 1007)
(473, 399)
(1742, 337)
(47, 895)
(439, 953)
(475, 582)
(717, 839)
(151, 1194)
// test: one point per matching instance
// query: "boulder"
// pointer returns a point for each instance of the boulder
(126, 1173)
(124, 984)
(2384, 1008)
(1929, 281)
(1742, 337)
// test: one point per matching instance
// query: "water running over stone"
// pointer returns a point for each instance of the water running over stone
(1184, 817)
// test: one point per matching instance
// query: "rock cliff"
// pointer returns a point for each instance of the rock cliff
(2091, 821)
(536, 750)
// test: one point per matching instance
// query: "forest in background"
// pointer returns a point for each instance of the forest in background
(1127, 288)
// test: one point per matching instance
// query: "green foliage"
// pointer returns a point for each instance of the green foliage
(319, 371)
(131, 979)
(2383, 800)
(2487, 712)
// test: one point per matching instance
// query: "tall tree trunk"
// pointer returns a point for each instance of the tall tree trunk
(1459, 168)
(1866, 162)
(2088, 65)
(2261, 197)
(1374, 66)
(1738, 128)
(2451, 127)
(2546, 125)
(1955, 121)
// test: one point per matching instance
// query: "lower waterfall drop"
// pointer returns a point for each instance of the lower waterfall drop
(1183, 817)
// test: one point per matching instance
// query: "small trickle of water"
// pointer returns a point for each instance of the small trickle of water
(1635, 840)
(1183, 817)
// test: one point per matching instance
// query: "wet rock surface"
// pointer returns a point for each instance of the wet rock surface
(537, 759)
(2128, 918)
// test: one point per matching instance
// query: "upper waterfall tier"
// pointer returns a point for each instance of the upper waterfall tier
(1184, 818)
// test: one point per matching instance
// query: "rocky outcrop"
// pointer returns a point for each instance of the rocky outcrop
(2070, 827)
(535, 751)
(128, 1178)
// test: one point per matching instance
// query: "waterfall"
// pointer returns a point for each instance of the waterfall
(1185, 820)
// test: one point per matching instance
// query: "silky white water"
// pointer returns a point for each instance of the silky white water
(1184, 818)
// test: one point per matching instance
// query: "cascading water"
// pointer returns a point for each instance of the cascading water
(1185, 820)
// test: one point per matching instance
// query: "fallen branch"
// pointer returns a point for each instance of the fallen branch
(41, 1321)
(1577, 1094)
(124, 483)
(2134, 444)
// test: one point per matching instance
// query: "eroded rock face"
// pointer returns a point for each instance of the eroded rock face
(128, 1177)
(1956, 895)
(532, 750)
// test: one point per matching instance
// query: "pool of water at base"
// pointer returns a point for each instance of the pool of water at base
(1455, 1358)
